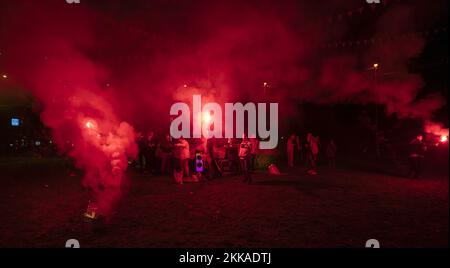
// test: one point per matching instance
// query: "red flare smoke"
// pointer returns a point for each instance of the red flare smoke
(436, 129)
(65, 55)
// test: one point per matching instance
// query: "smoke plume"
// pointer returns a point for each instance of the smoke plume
(101, 69)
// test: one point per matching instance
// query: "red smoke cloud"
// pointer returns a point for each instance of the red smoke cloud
(390, 83)
(101, 68)
(45, 55)
(436, 129)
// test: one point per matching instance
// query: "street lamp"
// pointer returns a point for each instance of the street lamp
(377, 142)
(265, 86)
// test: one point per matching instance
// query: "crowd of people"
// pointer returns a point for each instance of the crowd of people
(179, 158)
(176, 157)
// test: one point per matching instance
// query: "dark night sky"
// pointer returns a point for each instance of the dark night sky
(145, 50)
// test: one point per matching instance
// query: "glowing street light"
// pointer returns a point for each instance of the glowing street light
(377, 143)
(265, 86)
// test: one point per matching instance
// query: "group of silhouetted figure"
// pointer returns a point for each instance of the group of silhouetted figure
(306, 151)
(168, 156)
(174, 157)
